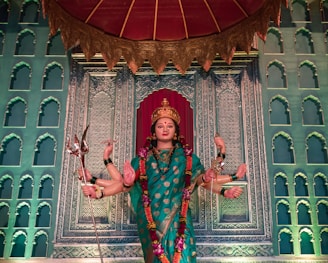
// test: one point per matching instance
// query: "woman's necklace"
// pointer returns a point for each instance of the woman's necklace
(166, 159)
(158, 250)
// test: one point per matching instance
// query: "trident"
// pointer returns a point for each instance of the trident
(79, 151)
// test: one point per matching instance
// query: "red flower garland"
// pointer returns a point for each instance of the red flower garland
(158, 250)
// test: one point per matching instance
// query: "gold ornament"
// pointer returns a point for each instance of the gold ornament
(165, 111)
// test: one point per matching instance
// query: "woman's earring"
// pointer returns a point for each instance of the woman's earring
(175, 136)
(154, 136)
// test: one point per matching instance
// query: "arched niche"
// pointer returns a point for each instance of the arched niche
(4, 11)
(10, 150)
(45, 150)
(2, 39)
(282, 148)
(324, 10)
(320, 184)
(283, 212)
(281, 184)
(301, 185)
(18, 243)
(6, 186)
(307, 75)
(322, 212)
(40, 244)
(2, 242)
(49, 112)
(316, 148)
(55, 45)
(21, 76)
(303, 211)
(303, 41)
(16, 111)
(274, 41)
(43, 215)
(4, 212)
(324, 240)
(312, 111)
(26, 187)
(306, 241)
(25, 43)
(286, 241)
(300, 10)
(276, 75)
(46, 186)
(30, 12)
(279, 110)
(53, 77)
(23, 212)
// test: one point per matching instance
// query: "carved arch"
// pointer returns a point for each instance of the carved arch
(281, 184)
(279, 111)
(21, 75)
(45, 150)
(276, 74)
(320, 184)
(10, 150)
(274, 41)
(312, 112)
(316, 148)
(301, 185)
(307, 75)
(53, 76)
(283, 148)
(300, 10)
(25, 42)
(303, 210)
(30, 11)
(303, 41)
(49, 112)
(15, 115)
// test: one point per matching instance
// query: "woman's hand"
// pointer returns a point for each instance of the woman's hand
(233, 192)
(87, 173)
(241, 171)
(219, 142)
(209, 175)
(129, 174)
(89, 190)
(108, 149)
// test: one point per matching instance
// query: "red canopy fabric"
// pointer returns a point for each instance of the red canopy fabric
(161, 30)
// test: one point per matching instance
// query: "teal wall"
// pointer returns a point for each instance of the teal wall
(34, 76)
(293, 72)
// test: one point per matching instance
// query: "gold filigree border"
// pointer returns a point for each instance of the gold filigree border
(204, 49)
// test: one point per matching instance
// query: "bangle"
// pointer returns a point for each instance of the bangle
(108, 161)
(222, 191)
(126, 186)
(203, 180)
(93, 180)
(222, 155)
(99, 192)
(234, 177)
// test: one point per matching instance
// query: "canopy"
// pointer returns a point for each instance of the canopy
(161, 30)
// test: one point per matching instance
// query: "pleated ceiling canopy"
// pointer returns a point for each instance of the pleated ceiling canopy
(160, 31)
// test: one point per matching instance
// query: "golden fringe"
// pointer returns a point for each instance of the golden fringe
(158, 53)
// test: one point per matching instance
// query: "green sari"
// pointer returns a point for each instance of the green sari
(166, 180)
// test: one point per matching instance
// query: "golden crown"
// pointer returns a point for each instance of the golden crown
(165, 111)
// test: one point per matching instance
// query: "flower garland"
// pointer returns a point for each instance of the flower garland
(158, 250)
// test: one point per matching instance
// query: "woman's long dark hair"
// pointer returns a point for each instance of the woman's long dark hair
(174, 141)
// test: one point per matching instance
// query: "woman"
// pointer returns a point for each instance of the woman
(160, 182)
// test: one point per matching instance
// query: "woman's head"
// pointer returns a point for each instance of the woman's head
(165, 124)
(165, 130)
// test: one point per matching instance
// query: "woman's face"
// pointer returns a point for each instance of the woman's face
(164, 129)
